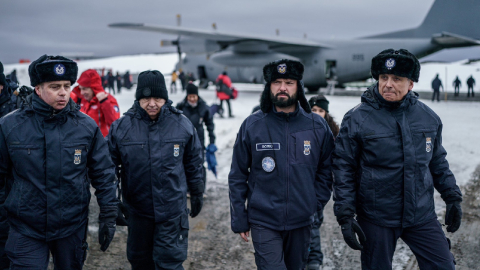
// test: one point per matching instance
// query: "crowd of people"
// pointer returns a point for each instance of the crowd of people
(381, 164)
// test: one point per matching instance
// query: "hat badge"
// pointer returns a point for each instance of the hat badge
(282, 68)
(59, 69)
(390, 63)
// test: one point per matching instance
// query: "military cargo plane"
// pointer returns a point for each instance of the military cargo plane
(448, 24)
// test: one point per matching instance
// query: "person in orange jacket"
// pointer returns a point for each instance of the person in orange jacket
(95, 102)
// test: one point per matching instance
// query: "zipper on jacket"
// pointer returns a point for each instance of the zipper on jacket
(288, 174)
(29, 151)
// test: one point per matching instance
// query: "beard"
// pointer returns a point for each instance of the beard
(282, 102)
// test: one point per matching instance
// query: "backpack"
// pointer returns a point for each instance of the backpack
(221, 87)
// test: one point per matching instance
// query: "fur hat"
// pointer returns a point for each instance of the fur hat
(52, 68)
(320, 101)
(397, 62)
(192, 89)
(2, 76)
(151, 83)
(287, 69)
(283, 68)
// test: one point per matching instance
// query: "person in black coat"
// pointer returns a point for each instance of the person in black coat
(111, 82)
(457, 84)
(470, 84)
(198, 112)
(159, 154)
(49, 173)
(281, 167)
(118, 78)
(436, 84)
(388, 160)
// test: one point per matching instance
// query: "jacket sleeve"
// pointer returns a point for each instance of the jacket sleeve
(5, 164)
(101, 171)
(210, 126)
(110, 110)
(323, 176)
(112, 144)
(443, 179)
(345, 164)
(193, 163)
(237, 181)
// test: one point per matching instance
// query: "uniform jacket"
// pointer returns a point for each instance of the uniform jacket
(52, 157)
(301, 181)
(388, 159)
(8, 101)
(158, 160)
(436, 84)
(103, 112)
(199, 115)
(228, 82)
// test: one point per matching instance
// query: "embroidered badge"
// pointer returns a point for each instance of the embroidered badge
(267, 146)
(306, 148)
(59, 69)
(429, 144)
(116, 108)
(390, 63)
(77, 158)
(147, 92)
(282, 68)
(176, 150)
(268, 164)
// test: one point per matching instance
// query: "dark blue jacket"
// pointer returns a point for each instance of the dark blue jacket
(301, 182)
(50, 156)
(158, 160)
(388, 159)
(8, 101)
(199, 115)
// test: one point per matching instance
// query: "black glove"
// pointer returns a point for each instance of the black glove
(350, 230)
(196, 203)
(453, 216)
(107, 218)
(122, 215)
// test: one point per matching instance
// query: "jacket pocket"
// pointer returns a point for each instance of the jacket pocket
(25, 159)
(172, 151)
(424, 142)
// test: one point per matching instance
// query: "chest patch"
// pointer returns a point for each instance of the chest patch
(306, 148)
(176, 150)
(267, 146)
(268, 164)
(77, 158)
(428, 144)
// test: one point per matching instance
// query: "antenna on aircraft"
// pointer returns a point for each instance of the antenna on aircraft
(214, 26)
(277, 32)
(179, 20)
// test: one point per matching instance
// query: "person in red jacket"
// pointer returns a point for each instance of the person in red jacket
(224, 91)
(95, 102)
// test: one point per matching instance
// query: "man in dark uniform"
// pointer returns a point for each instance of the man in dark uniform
(281, 165)
(160, 155)
(387, 161)
(8, 103)
(457, 84)
(198, 112)
(436, 84)
(470, 84)
(52, 168)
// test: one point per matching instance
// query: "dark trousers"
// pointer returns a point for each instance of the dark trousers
(436, 93)
(229, 108)
(30, 253)
(315, 250)
(470, 88)
(173, 87)
(427, 242)
(158, 246)
(457, 91)
(279, 250)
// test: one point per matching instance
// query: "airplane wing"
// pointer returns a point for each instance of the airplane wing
(221, 37)
(450, 40)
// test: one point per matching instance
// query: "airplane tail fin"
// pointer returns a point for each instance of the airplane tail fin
(460, 17)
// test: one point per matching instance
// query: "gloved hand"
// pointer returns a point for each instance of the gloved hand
(107, 227)
(122, 215)
(453, 216)
(196, 203)
(350, 230)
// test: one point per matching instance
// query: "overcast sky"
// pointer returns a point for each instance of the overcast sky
(30, 28)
